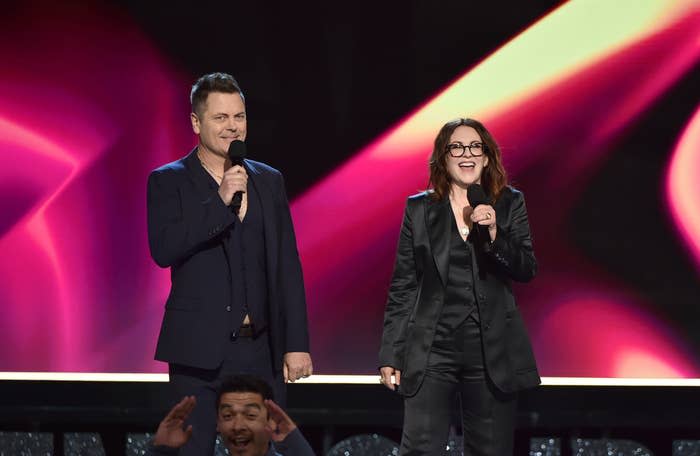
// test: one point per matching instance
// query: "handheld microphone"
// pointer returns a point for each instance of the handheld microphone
(236, 153)
(477, 196)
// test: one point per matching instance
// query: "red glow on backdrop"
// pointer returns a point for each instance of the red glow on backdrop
(581, 114)
(79, 138)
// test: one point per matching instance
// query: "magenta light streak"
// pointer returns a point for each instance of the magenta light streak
(81, 127)
(683, 186)
(23, 149)
(602, 333)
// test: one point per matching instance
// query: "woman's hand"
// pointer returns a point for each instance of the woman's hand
(485, 215)
(386, 374)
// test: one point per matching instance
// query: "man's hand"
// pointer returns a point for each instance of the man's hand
(235, 179)
(297, 365)
(170, 431)
(283, 424)
(385, 379)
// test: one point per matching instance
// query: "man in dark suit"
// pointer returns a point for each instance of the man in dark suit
(236, 303)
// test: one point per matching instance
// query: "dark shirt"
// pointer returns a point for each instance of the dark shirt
(460, 302)
(245, 248)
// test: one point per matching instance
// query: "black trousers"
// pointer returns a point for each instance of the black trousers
(245, 356)
(456, 370)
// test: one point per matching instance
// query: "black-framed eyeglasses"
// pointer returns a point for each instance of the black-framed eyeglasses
(456, 150)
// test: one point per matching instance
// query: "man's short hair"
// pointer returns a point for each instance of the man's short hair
(244, 384)
(212, 82)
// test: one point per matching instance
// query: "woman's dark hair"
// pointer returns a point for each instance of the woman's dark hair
(212, 82)
(493, 176)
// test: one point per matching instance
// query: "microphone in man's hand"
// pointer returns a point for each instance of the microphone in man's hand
(477, 196)
(236, 153)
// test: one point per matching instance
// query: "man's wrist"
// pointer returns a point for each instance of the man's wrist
(161, 449)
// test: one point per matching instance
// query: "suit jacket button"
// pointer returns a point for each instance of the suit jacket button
(482, 297)
(234, 334)
(487, 326)
(228, 308)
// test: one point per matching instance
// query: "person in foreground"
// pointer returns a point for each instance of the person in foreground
(451, 324)
(237, 302)
(248, 420)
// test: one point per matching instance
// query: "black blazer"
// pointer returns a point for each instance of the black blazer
(417, 292)
(186, 221)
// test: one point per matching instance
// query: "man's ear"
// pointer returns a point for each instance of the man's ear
(195, 123)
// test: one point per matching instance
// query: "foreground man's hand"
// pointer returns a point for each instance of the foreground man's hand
(283, 424)
(171, 431)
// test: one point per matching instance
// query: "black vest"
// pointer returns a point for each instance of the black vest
(460, 302)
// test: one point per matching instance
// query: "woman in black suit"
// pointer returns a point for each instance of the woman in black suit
(451, 325)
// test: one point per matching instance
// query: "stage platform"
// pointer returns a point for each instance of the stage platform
(654, 416)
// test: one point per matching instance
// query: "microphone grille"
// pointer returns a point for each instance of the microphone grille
(237, 150)
(476, 195)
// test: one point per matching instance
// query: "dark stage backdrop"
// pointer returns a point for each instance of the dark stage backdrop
(595, 104)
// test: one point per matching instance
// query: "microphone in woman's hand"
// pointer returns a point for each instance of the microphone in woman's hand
(476, 196)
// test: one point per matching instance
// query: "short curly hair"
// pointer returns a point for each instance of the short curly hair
(244, 384)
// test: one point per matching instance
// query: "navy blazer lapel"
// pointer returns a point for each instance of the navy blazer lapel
(437, 219)
(255, 178)
(203, 182)
(269, 216)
